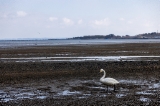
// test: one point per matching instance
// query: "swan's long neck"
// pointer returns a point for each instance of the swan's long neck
(103, 75)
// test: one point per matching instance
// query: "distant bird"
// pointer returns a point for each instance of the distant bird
(108, 81)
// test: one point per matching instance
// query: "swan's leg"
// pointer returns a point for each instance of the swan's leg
(114, 87)
(107, 88)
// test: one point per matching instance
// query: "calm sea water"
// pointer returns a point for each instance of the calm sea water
(19, 43)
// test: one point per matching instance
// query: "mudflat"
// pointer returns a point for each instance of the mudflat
(26, 79)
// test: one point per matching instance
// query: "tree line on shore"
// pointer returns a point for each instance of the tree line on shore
(153, 35)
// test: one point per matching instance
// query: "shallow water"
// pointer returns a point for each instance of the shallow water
(86, 58)
(21, 43)
(14, 94)
(144, 89)
(67, 92)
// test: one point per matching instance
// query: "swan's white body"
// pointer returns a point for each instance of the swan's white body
(108, 81)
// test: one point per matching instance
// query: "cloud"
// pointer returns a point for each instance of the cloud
(53, 18)
(80, 21)
(21, 13)
(68, 21)
(8, 15)
(130, 22)
(101, 23)
(147, 25)
(121, 19)
(4, 16)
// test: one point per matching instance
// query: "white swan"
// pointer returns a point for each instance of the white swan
(108, 81)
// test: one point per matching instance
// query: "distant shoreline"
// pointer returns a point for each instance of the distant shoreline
(74, 39)
(153, 35)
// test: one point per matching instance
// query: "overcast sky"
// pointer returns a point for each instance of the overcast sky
(70, 18)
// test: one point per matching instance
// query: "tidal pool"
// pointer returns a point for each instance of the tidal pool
(80, 89)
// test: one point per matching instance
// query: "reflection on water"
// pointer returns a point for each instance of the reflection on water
(14, 94)
(86, 58)
(21, 43)
(67, 92)
(144, 99)
(20, 93)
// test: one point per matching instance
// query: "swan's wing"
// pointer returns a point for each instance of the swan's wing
(110, 81)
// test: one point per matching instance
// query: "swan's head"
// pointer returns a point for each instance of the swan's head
(101, 70)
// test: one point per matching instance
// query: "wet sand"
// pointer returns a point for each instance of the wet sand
(77, 83)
